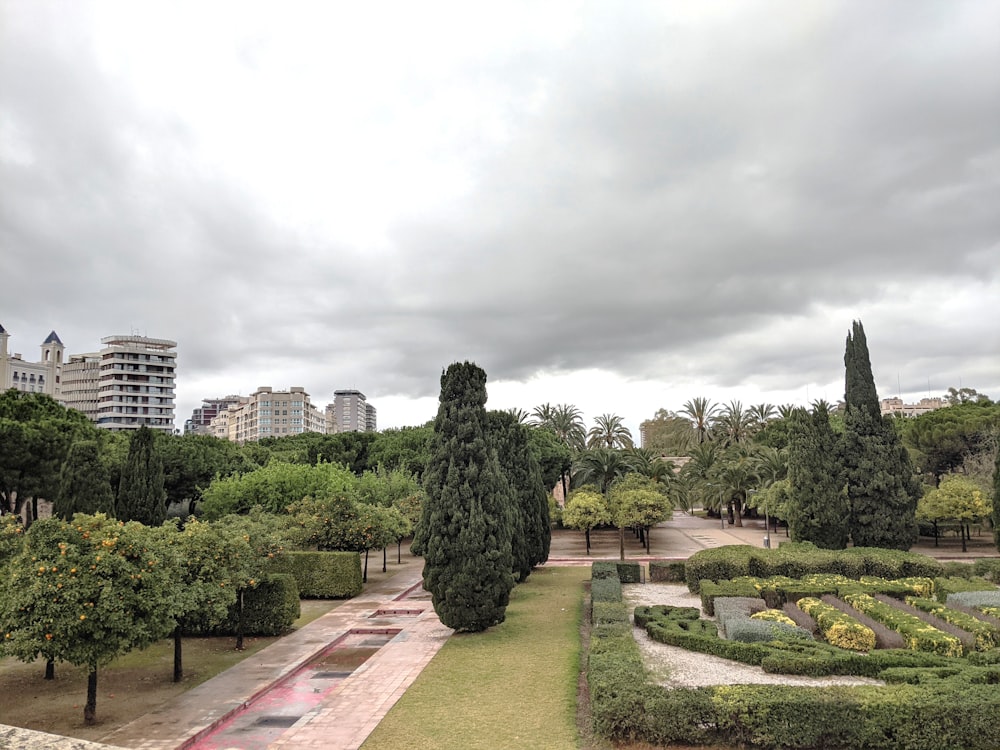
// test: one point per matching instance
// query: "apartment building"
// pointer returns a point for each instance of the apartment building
(32, 377)
(201, 418)
(136, 383)
(350, 412)
(269, 413)
(81, 376)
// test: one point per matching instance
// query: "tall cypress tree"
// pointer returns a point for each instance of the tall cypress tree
(465, 526)
(531, 532)
(881, 488)
(84, 486)
(141, 496)
(996, 502)
(818, 511)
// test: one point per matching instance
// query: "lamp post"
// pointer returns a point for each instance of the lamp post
(767, 523)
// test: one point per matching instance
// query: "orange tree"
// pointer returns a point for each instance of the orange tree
(87, 591)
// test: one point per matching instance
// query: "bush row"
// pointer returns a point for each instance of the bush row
(953, 584)
(666, 571)
(322, 575)
(268, 609)
(986, 635)
(803, 558)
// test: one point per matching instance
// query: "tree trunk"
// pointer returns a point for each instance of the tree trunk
(586, 534)
(383, 560)
(364, 578)
(961, 532)
(739, 513)
(648, 534)
(935, 533)
(90, 709)
(562, 477)
(239, 621)
(50, 669)
(621, 542)
(399, 552)
(178, 665)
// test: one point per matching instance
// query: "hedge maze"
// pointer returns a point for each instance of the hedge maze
(929, 632)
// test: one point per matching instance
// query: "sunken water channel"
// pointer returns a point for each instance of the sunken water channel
(285, 703)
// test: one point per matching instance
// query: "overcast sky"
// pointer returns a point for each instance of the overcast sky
(620, 205)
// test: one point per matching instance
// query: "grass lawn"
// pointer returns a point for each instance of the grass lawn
(513, 686)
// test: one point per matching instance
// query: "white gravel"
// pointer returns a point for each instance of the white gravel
(673, 666)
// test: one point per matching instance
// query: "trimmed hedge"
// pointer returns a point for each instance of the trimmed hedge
(801, 558)
(953, 585)
(322, 575)
(629, 572)
(268, 609)
(666, 571)
(838, 628)
(918, 634)
(986, 636)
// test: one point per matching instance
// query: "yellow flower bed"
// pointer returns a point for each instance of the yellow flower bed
(918, 635)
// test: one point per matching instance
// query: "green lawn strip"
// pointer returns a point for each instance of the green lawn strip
(511, 686)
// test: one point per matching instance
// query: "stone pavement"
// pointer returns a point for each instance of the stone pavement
(347, 714)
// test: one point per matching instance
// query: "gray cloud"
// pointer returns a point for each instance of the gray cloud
(712, 198)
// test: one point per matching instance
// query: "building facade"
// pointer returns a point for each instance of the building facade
(350, 412)
(896, 406)
(269, 413)
(136, 383)
(200, 422)
(43, 376)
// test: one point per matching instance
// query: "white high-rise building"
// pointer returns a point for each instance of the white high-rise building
(136, 383)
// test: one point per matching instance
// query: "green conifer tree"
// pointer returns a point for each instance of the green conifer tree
(531, 532)
(996, 502)
(141, 496)
(881, 489)
(84, 486)
(465, 523)
(818, 510)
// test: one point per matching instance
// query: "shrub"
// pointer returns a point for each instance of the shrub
(988, 568)
(975, 599)
(603, 569)
(773, 615)
(838, 628)
(606, 590)
(268, 609)
(953, 584)
(322, 575)
(718, 564)
(629, 572)
(710, 591)
(666, 571)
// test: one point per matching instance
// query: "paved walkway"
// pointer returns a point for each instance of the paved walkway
(345, 716)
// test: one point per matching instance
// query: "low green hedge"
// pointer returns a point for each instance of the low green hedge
(953, 584)
(802, 558)
(629, 572)
(322, 575)
(986, 636)
(918, 634)
(605, 590)
(666, 571)
(270, 608)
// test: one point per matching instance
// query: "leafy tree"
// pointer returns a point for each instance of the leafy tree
(881, 489)
(385, 486)
(531, 530)
(86, 592)
(208, 559)
(638, 502)
(701, 412)
(555, 459)
(406, 448)
(817, 511)
(734, 474)
(465, 530)
(274, 487)
(141, 496)
(956, 498)
(965, 396)
(667, 434)
(996, 501)
(940, 440)
(191, 462)
(36, 433)
(83, 483)
(586, 509)
(11, 541)
(775, 499)
(350, 449)
(609, 431)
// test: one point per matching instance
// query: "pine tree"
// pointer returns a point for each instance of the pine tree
(141, 496)
(84, 486)
(818, 510)
(881, 489)
(531, 532)
(465, 524)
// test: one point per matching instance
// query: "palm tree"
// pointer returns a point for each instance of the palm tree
(541, 416)
(700, 411)
(520, 415)
(599, 466)
(567, 422)
(785, 411)
(697, 475)
(736, 474)
(609, 431)
(650, 464)
(733, 424)
(761, 414)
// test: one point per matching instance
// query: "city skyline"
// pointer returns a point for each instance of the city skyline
(621, 207)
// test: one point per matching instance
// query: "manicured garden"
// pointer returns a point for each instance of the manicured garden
(926, 631)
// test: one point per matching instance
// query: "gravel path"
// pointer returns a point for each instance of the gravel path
(672, 666)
